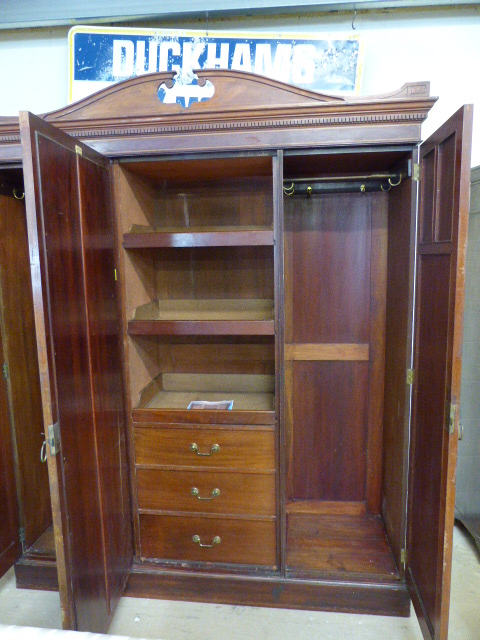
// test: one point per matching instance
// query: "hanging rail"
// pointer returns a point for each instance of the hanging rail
(362, 183)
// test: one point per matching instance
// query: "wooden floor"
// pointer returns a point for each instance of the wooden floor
(44, 545)
(340, 546)
(332, 546)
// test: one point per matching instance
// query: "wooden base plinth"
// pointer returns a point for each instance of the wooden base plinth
(36, 574)
(375, 598)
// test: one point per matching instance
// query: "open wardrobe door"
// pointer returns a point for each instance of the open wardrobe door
(442, 230)
(72, 255)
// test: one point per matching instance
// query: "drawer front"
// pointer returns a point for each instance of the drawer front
(207, 491)
(223, 540)
(220, 448)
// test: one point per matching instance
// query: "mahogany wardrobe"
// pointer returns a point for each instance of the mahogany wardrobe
(241, 345)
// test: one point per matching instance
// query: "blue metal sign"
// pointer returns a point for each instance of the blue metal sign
(100, 57)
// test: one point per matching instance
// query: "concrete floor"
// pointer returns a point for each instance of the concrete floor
(142, 618)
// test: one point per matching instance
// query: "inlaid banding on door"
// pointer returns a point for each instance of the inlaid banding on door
(330, 352)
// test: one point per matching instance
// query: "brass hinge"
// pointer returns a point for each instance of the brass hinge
(115, 274)
(78, 150)
(5, 371)
(53, 438)
(403, 557)
(452, 416)
(410, 376)
(416, 172)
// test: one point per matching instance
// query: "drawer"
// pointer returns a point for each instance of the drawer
(226, 540)
(207, 491)
(220, 447)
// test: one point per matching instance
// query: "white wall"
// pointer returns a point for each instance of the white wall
(399, 46)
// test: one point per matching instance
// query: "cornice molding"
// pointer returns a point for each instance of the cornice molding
(241, 101)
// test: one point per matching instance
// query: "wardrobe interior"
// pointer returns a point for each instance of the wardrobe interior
(281, 282)
(28, 512)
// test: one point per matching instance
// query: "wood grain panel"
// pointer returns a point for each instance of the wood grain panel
(446, 194)
(241, 355)
(23, 383)
(398, 340)
(242, 541)
(437, 363)
(69, 216)
(9, 540)
(214, 273)
(376, 375)
(329, 435)
(204, 417)
(327, 508)
(238, 493)
(224, 203)
(204, 317)
(427, 212)
(239, 448)
(44, 545)
(201, 327)
(430, 439)
(329, 352)
(329, 265)
(339, 545)
(69, 334)
(198, 237)
(36, 574)
(178, 390)
(377, 597)
(207, 170)
(106, 370)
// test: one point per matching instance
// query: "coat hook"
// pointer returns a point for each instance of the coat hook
(353, 20)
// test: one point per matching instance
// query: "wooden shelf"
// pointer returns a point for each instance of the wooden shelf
(177, 390)
(204, 317)
(143, 237)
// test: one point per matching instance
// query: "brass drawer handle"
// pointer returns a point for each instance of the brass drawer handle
(213, 494)
(213, 449)
(216, 540)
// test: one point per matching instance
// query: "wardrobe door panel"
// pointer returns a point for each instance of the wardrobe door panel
(437, 363)
(72, 253)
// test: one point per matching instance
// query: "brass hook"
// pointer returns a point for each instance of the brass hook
(18, 197)
(388, 187)
(395, 184)
(289, 191)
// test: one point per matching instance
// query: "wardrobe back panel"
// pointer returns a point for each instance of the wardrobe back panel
(23, 383)
(334, 333)
(330, 433)
(329, 268)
